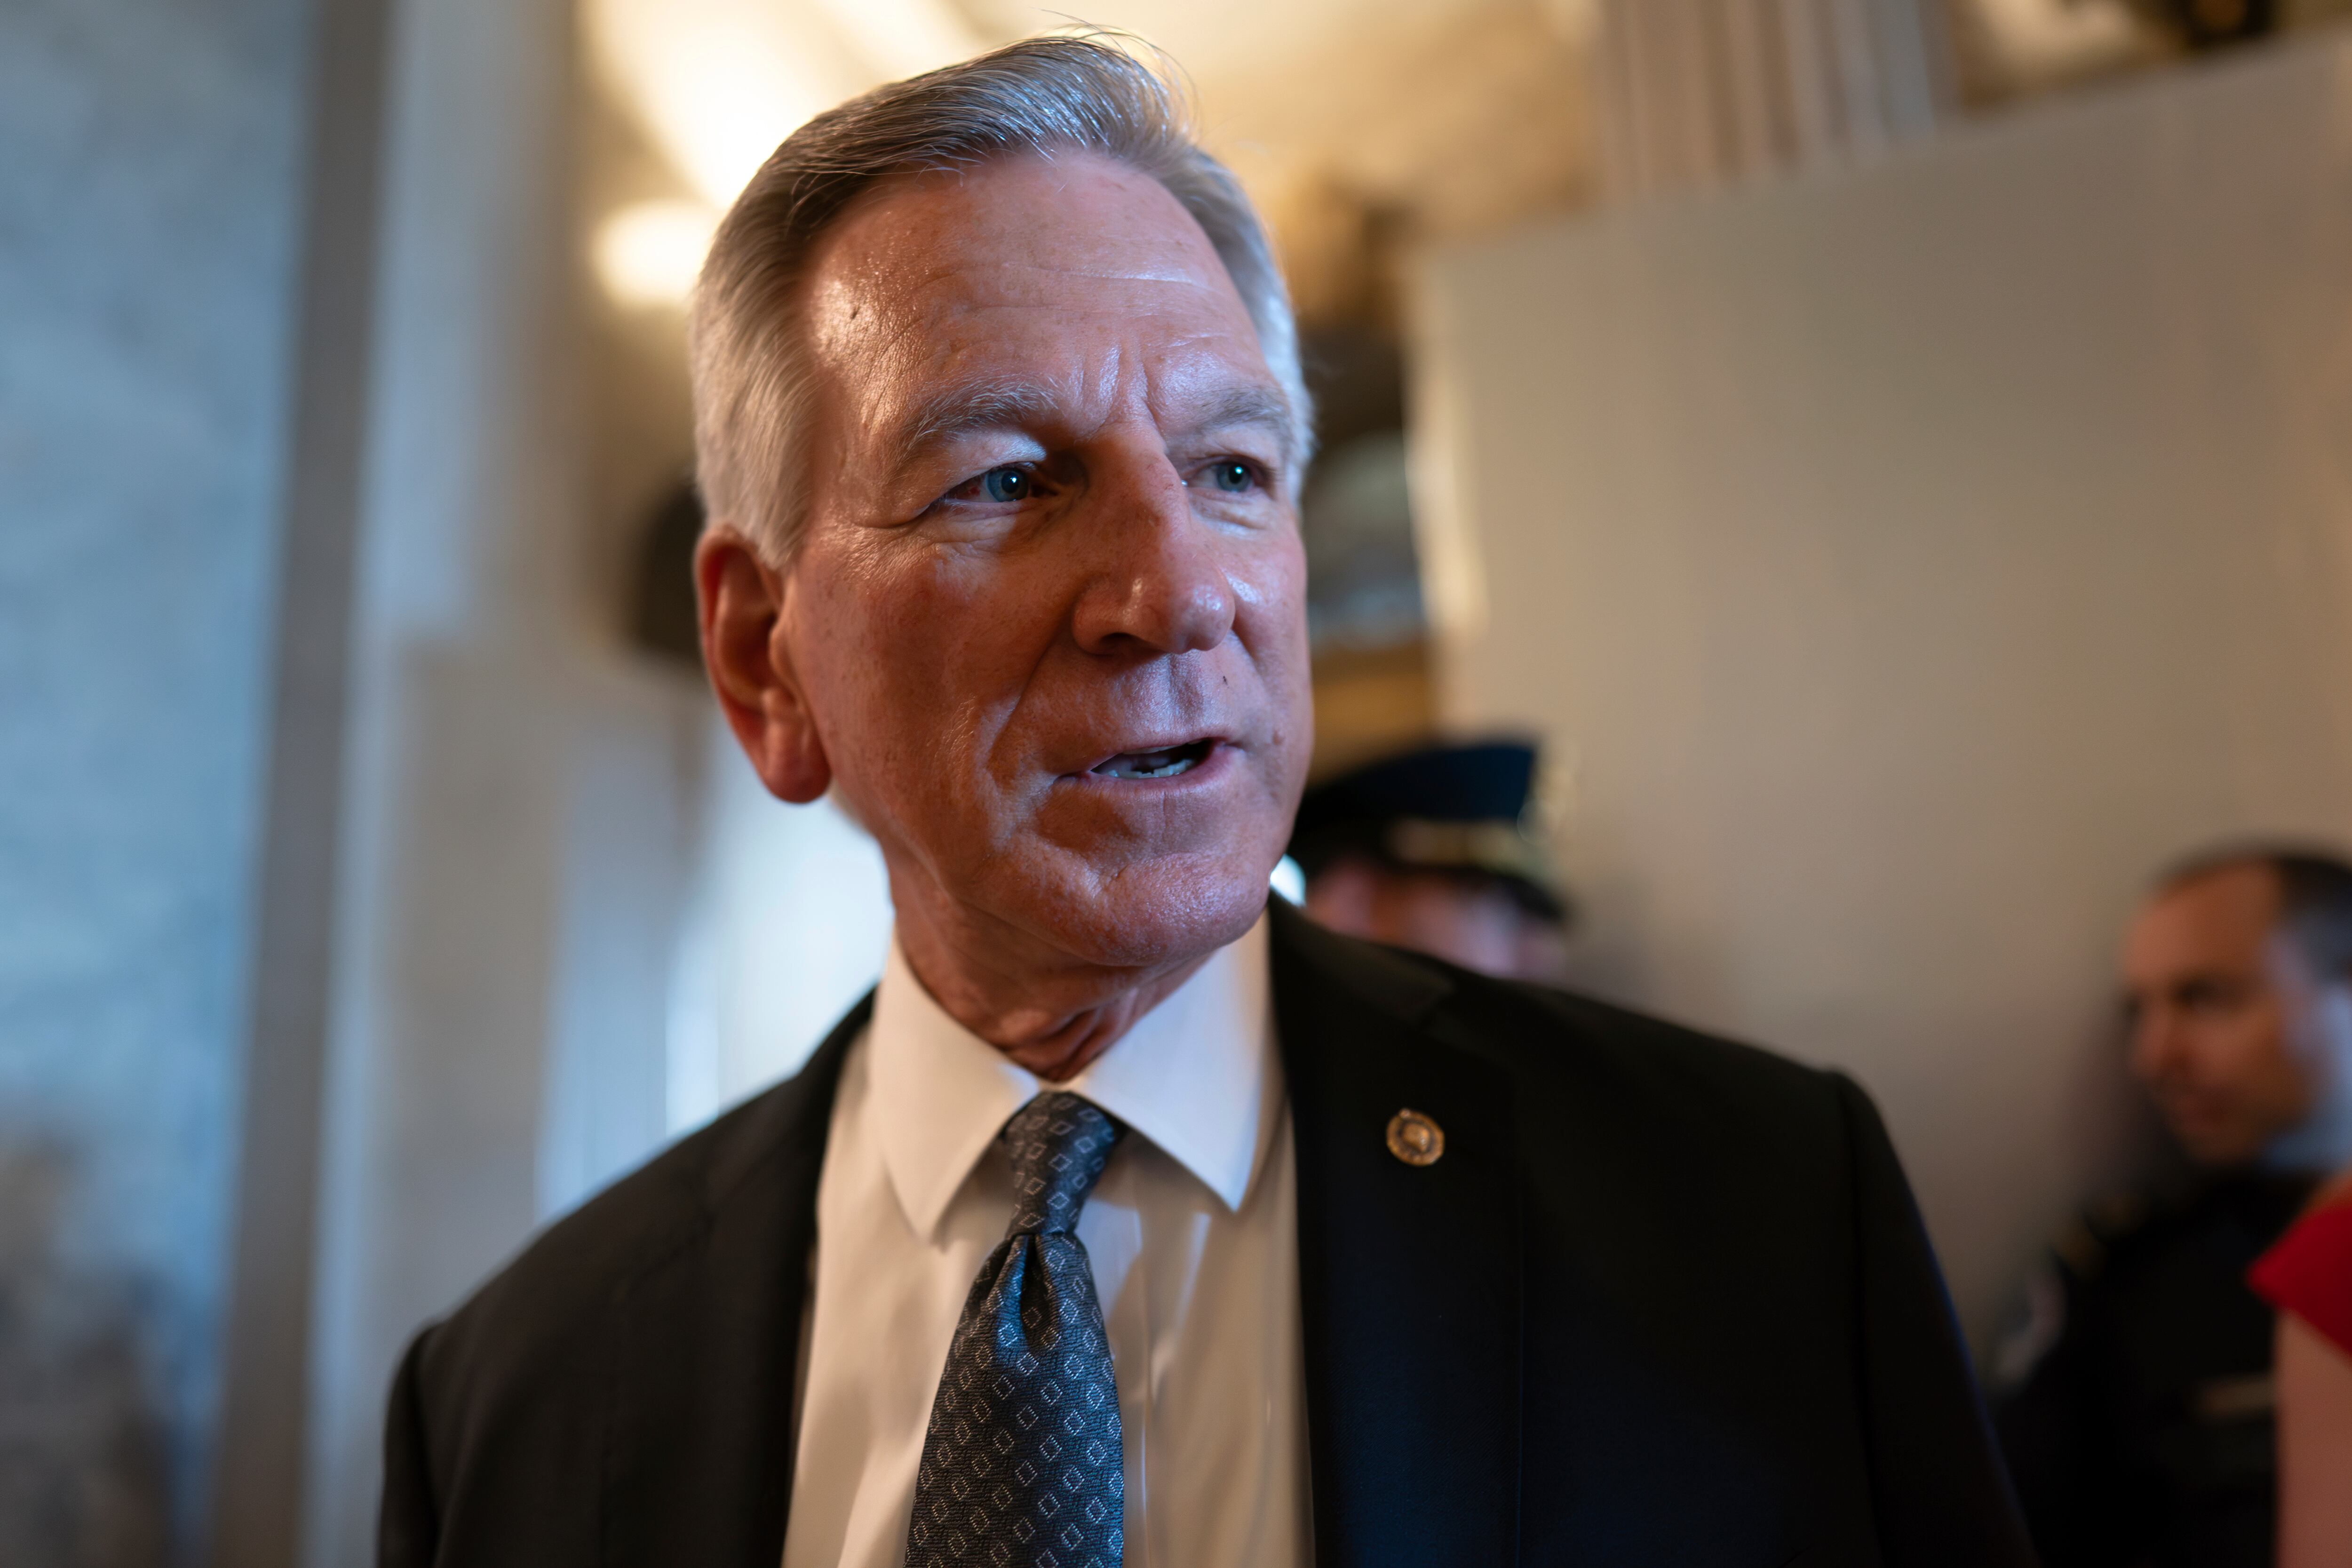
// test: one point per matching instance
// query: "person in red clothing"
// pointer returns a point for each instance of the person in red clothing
(2308, 1277)
(2137, 1408)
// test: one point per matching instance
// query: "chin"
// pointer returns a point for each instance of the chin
(1153, 912)
(2218, 1150)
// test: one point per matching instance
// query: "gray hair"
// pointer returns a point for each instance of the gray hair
(1040, 96)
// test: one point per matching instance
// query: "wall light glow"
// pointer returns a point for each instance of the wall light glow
(720, 82)
(903, 37)
(648, 254)
(2041, 40)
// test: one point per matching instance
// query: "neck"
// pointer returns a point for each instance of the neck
(1050, 1011)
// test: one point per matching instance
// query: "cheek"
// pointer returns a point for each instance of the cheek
(926, 652)
(846, 626)
(1270, 584)
(2257, 1039)
(1269, 574)
(2226, 1051)
(2280, 1058)
(1274, 626)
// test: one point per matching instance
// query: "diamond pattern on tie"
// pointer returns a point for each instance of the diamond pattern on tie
(1022, 1463)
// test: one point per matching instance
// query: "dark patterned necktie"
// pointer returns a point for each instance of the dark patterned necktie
(1022, 1462)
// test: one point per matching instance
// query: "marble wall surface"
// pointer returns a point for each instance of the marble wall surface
(150, 180)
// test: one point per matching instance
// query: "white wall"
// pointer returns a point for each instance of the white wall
(783, 929)
(506, 821)
(1907, 562)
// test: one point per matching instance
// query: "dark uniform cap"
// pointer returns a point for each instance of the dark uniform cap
(1460, 809)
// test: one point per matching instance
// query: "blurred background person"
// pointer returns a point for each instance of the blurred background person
(2139, 1423)
(1438, 850)
(2307, 1277)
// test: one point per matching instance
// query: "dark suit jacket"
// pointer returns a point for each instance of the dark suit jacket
(1663, 1300)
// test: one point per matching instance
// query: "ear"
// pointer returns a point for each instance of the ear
(740, 598)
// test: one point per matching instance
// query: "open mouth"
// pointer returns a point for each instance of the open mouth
(1165, 763)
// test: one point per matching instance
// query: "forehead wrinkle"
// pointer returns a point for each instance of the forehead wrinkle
(934, 321)
(895, 326)
(886, 306)
(961, 261)
(1187, 278)
(1234, 394)
(921, 237)
(954, 294)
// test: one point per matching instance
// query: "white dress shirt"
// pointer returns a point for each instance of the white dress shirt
(1193, 1234)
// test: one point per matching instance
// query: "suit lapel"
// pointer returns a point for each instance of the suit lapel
(1408, 1287)
(697, 1452)
(1409, 1275)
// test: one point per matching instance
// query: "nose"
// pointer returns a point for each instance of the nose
(1160, 584)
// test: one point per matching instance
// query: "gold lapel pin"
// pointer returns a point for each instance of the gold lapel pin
(1415, 1139)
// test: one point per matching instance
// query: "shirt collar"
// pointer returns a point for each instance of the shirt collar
(1196, 1075)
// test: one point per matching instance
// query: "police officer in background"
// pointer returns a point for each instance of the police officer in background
(1437, 850)
(2137, 1417)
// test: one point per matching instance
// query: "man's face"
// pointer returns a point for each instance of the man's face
(1048, 614)
(1469, 921)
(2221, 1011)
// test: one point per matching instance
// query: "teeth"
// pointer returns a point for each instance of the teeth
(1165, 764)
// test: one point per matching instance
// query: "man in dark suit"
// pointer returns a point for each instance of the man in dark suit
(1131, 1221)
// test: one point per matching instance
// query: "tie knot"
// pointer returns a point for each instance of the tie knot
(1058, 1145)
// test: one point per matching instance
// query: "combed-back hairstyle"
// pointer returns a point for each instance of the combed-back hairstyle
(2315, 897)
(1039, 97)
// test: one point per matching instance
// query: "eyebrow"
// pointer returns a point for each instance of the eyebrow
(955, 411)
(1252, 404)
(962, 410)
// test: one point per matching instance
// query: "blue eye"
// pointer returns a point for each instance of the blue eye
(1231, 478)
(1006, 485)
